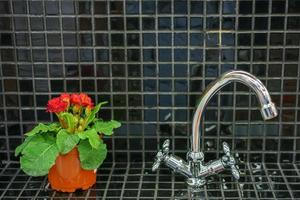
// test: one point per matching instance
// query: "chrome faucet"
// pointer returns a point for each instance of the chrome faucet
(195, 170)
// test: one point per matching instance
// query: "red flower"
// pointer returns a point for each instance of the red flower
(85, 100)
(56, 105)
(81, 99)
(75, 99)
(65, 97)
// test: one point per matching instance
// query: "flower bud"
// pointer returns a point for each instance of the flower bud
(76, 109)
(80, 128)
(88, 110)
(76, 119)
(81, 121)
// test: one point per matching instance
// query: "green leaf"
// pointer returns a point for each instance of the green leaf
(69, 119)
(20, 148)
(92, 135)
(43, 128)
(38, 156)
(92, 115)
(106, 127)
(91, 158)
(65, 141)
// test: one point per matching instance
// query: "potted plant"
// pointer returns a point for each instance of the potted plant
(70, 150)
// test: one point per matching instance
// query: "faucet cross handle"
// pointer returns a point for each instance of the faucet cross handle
(229, 160)
(166, 146)
(161, 154)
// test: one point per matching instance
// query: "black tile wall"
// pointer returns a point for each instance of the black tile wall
(152, 60)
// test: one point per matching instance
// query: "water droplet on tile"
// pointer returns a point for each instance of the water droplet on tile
(167, 116)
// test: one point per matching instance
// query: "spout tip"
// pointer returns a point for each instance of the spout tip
(269, 111)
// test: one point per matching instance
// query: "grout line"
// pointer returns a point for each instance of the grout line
(253, 181)
(158, 139)
(17, 80)
(11, 182)
(281, 85)
(45, 181)
(3, 168)
(4, 103)
(286, 181)
(162, 15)
(108, 181)
(126, 84)
(125, 180)
(141, 182)
(269, 180)
(142, 60)
(249, 142)
(110, 70)
(205, 34)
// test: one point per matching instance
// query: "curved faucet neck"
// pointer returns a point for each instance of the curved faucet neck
(268, 109)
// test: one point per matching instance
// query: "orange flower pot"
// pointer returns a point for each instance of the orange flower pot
(67, 175)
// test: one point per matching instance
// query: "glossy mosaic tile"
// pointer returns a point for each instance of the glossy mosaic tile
(136, 181)
(152, 60)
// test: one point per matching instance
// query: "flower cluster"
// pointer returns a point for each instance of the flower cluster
(81, 100)
(64, 101)
(78, 127)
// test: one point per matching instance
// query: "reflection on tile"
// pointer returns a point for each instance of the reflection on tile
(180, 23)
(19, 7)
(164, 7)
(84, 7)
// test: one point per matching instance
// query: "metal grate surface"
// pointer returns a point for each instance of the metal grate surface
(136, 181)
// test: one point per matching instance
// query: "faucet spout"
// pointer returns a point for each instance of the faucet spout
(268, 109)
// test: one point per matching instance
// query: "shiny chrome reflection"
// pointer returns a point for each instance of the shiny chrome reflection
(195, 170)
(268, 109)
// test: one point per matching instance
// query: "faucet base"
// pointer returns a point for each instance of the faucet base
(195, 156)
(195, 170)
(195, 183)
